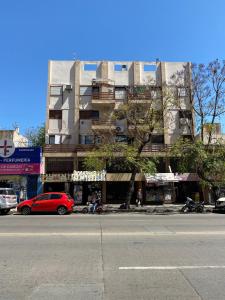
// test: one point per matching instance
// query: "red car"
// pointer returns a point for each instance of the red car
(61, 203)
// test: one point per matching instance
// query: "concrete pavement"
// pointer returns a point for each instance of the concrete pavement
(114, 256)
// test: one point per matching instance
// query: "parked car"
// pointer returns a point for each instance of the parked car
(8, 200)
(61, 203)
(220, 205)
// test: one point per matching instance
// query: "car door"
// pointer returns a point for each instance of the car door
(55, 201)
(41, 203)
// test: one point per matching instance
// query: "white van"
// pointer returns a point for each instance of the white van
(8, 200)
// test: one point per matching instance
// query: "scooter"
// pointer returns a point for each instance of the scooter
(192, 206)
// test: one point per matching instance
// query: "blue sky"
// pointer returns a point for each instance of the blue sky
(33, 32)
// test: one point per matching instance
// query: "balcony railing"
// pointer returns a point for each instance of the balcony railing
(62, 148)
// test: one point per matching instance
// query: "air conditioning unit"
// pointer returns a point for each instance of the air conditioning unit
(68, 87)
(119, 129)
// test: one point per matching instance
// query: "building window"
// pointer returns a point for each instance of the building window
(158, 139)
(120, 67)
(55, 114)
(182, 92)
(149, 68)
(89, 114)
(187, 114)
(52, 139)
(90, 67)
(56, 90)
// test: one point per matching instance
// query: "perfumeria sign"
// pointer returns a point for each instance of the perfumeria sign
(19, 161)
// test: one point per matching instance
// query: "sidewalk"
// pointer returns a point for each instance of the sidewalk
(148, 209)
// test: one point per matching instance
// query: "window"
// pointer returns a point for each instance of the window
(90, 67)
(55, 196)
(89, 114)
(120, 92)
(187, 114)
(149, 68)
(55, 114)
(121, 139)
(85, 90)
(56, 90)
(42, 197)
(52, 139)
(182, 92)
(158, 139)
(95, 89)
(120, 67)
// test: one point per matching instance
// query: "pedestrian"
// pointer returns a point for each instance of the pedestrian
(139, 200)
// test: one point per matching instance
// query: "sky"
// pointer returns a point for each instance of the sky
(32, 32)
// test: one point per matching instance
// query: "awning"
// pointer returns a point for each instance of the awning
(123, 177)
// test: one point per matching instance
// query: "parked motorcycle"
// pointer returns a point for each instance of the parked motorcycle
(90, 208)
(192, 206)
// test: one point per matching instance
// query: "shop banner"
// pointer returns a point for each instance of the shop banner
(23, 161)
(89, 176)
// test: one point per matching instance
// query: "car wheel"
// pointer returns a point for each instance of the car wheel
(62, 210)
(25, 210)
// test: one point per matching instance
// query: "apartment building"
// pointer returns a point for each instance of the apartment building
(82, 96)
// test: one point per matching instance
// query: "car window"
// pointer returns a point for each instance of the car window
(7, 192)
(55, 196)
(42, 197)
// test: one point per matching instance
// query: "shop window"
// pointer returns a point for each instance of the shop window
(55, 114)
(89, 114)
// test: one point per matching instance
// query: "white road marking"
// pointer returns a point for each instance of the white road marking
(113, 233)
(171, 267)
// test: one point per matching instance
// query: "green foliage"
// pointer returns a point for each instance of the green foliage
(207, 161)
(36, 136)
(121, 157)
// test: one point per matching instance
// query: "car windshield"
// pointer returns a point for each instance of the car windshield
(7, 192)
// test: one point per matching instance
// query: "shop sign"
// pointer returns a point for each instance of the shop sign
(56, 177)
(89, 176)
(19, 161)
(159, 177)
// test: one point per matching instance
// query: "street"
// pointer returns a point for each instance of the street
(115, 256)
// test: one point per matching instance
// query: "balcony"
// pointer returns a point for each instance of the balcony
(103, 125)
(103, 98)
(63, 148)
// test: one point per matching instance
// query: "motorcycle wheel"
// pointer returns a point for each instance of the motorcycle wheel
(99, 210)
(85, 210)
(184, 209)
(200, 209)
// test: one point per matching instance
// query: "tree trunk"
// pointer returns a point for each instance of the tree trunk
(131, 188)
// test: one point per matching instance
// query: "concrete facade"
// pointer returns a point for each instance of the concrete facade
(82, 96)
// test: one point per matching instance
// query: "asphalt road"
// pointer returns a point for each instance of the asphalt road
(126, 256)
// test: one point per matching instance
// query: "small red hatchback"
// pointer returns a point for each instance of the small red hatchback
(61, 203)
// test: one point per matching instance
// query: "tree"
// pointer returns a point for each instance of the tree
(36, 136)
(142, 115)
(204, 153)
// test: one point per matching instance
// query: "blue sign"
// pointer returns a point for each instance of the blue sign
(23, 155)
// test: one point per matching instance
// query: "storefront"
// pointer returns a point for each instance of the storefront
(20, 169)
(80, 184)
